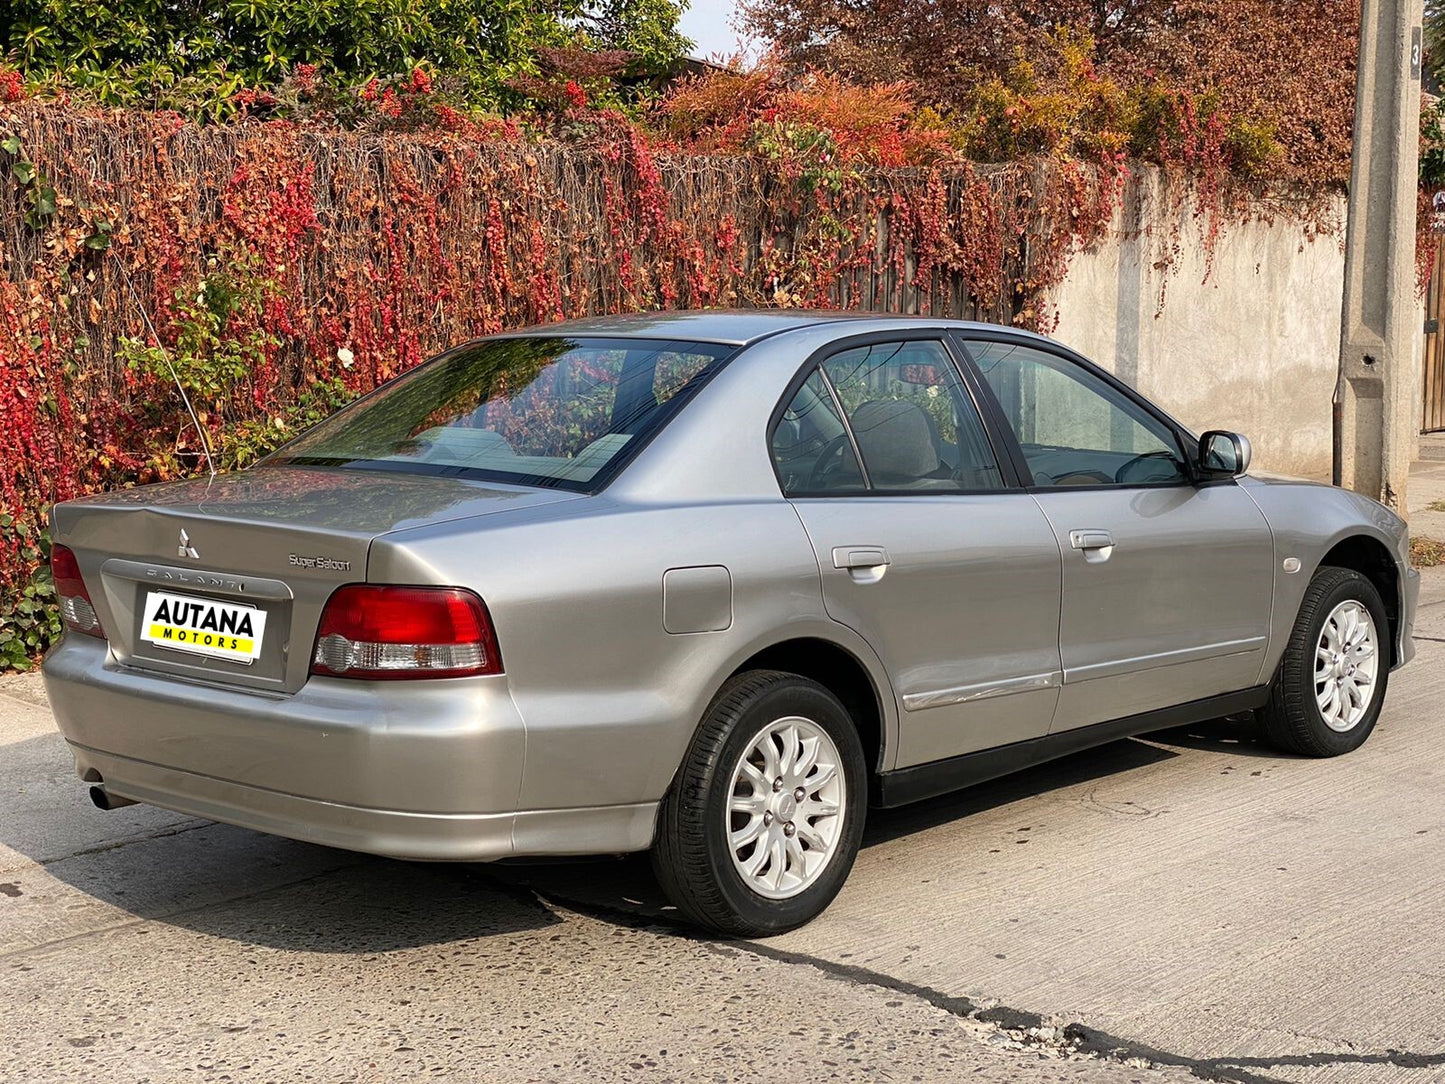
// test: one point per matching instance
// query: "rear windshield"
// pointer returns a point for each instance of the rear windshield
(547, 411)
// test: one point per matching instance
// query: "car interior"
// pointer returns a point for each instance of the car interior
(901, 393)
(900, 441)
(557, 412)
(1073, 429)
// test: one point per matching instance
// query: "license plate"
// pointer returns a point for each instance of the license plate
(203, 626)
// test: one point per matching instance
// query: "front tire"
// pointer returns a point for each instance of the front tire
(1330, 686)
(764, 820)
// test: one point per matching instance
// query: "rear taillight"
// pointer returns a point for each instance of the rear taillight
(75, 605)
(381, 633)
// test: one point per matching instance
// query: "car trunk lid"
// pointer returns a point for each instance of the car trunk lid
(186, 569)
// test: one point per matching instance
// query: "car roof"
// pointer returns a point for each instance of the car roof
(742, 327)
(736, 327)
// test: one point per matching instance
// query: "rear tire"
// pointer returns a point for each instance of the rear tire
(764, 820)
(1330, 686)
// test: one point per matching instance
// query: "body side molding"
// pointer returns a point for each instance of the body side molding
(1117, 667)
(915, 784)
(962, 694)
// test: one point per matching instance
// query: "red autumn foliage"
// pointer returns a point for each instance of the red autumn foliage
(12, 85)
(864, 125)
(1282, 67)
(329, 240)
(287, 266)
(307, 77)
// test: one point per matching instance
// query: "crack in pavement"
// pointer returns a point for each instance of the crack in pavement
(1085, 1040)
(1221, 1070)
(1079, 1037)
(1401, 1059)
(9, 697)
(117, 844)
(1236, 1067)
(112, 845)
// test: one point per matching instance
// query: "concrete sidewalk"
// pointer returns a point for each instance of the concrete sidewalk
(145, 946)
(1193, 904)
(1427, 487)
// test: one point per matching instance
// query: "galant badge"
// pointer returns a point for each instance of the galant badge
(185, 549)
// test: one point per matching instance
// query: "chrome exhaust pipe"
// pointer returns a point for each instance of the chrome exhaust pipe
(104, 800)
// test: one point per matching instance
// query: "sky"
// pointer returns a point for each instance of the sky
(706, 22)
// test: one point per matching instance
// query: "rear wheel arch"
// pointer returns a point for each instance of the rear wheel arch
(839, 671)
(1372, 559)
(751, 807)
(850, 672)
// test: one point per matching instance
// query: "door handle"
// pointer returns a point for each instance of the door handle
(1097, 544)
(1090, 539)
(866, 564)
(859, 556)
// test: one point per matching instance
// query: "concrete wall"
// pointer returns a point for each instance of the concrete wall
(1254, 349)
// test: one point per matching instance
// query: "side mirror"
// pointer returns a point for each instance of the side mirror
(1223, 454)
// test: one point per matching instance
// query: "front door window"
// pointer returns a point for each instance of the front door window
(1075, 429)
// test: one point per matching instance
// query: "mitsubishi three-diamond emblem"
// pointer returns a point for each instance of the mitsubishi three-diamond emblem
(185, 549)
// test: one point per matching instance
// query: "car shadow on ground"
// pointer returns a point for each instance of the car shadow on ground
(1120, 756)
(244, 886)
(625, 888)
(1237, 736)
(219, 880)
(373, 905)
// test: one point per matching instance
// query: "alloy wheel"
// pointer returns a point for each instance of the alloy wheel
(785, 811)
(1347, 662)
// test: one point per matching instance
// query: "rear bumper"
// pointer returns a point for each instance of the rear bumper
(422, 769)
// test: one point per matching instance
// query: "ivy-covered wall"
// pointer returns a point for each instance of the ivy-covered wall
(287, 267)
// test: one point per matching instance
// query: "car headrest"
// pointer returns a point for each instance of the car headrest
(896, 440)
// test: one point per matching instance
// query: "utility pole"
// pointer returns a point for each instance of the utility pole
(1376, 397)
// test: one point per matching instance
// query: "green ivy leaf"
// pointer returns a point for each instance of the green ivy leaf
(99, 239)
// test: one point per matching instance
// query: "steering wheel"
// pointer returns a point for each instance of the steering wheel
(1083, 478)
(829, 460)
(1122, 474)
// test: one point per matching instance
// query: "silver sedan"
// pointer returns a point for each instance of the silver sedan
(709, 584)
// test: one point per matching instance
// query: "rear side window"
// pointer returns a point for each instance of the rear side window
(906, 417)
(545, 411)
(812, 447)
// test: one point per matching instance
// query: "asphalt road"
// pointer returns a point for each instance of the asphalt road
(1188, 906)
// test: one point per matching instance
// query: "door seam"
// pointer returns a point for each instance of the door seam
(1273, 584)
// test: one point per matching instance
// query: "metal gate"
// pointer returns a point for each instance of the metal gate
(1433, 391)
